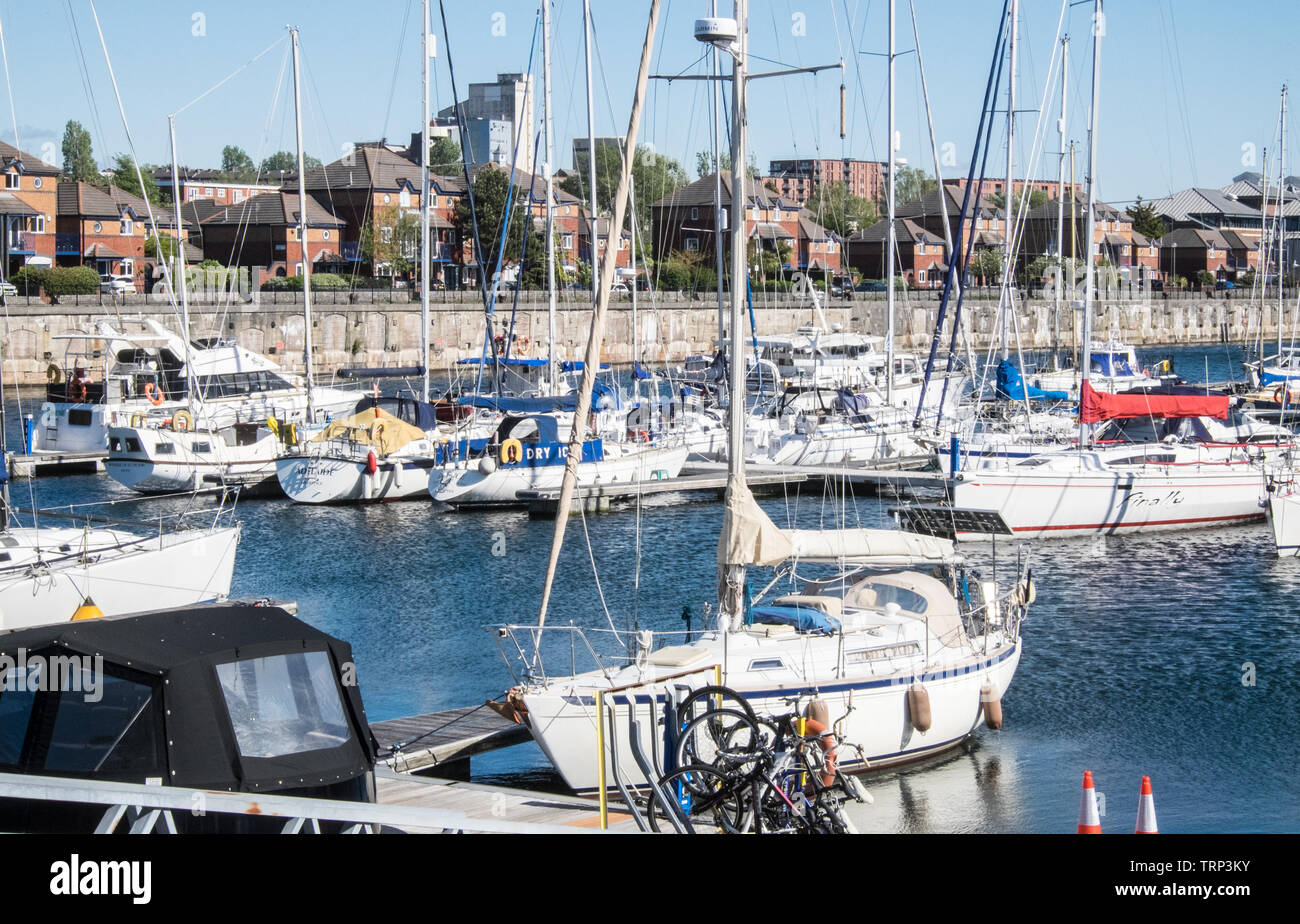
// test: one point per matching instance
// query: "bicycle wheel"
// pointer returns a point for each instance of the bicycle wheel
(781, 806)
(703, 795)
(711, 697)
(722, 738)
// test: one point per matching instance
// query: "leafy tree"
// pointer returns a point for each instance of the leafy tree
(169, 246)
(236, 165)
(706, 163)
(838, 210)
(124, 177)
(287, 162)
(1145, 219)
(1037, 198)
(913, 183)
(78, 160)
(653, 177)
(987, 264)
(444, 156)
(392, 238)
(491, 188)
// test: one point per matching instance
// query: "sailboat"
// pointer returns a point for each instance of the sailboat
(908, 654)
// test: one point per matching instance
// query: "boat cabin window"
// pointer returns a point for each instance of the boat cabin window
(165, 449)
(201, 447)
(864, 655)
(767, 664)
(16, 704)
(237, 384)
(885, 594)
(5, 556)
(132, 444)
(1150, 458)
(283, 704)
(79, 417)
(115, 445)
(116, 733)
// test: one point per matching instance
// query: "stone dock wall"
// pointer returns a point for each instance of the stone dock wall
(383, 329)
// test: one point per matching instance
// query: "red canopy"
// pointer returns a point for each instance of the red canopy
(1097, 406)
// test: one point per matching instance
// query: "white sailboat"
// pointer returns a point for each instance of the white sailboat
(874, 640)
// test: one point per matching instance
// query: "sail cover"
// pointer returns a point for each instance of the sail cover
(1097, 406)
(749, 537)
(373, 427)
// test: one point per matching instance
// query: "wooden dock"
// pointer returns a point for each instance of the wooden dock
(57, 463)
(600, 498)
(497, 802)
(903, 472)
(423, 742)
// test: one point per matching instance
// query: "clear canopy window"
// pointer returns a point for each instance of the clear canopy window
(283, 704)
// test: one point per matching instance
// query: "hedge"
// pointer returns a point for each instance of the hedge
(56, 280)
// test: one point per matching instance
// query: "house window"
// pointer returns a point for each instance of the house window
(404, 200)
(38, 224)
(567, 242)
(98, 227)
(37, 182)
(695, 213)
(128, 267)
(920, 275)
(325, 235)
(387, 198)
(12, 180)
(128, 226)
(692, 245)
(207, 190)
(920, 248)
(386, 235)
(221, 194)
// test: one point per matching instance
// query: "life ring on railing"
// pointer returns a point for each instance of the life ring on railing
(521, 346)
(53, 374)
(77, 390)
(153, 394)
(1278, 392)
(182, 421)
(830, 748)
(512, 451)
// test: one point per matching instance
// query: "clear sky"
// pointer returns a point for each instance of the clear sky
(1189, 91)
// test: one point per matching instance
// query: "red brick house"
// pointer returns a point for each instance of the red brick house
(920, 253)
(28, 210)
(105, 228)
(263, 232)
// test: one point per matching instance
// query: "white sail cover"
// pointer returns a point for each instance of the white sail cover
(749, 537)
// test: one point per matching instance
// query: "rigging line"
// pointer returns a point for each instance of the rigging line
(84, 68)
(232, 74)
(859, 84)
(397, 61)
(153, 224)
(9, 85)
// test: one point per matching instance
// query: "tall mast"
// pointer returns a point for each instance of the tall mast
(552, 368)
(427, 48)
(891, 240)
(1281, 225)
(718, 211)
(591, 144)
(180, 266)
(733, 578)
(1008, 271)
(1088, 287)
(302, 232)
(1060, 205)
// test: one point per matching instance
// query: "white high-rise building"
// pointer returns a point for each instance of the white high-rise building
(510, 99)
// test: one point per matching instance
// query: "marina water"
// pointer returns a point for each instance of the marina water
(1169, 655)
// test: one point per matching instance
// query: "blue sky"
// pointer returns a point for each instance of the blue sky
(1189, 87)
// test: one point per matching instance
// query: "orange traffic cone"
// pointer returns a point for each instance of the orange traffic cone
(1089, 820)
(1146, 823)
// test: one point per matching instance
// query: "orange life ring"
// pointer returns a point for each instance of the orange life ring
(1277, 394)
(77, 390)
(521, 346)
(153, 394)
(826, 741)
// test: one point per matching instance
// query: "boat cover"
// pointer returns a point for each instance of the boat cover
(803, 618)
(522, 405)
(374, 427)
(1097, 406)
(1010, 386)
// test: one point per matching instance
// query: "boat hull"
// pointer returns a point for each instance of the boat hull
(564, 724)
(334, 480)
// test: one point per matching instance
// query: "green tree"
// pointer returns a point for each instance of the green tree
(1037, 198)
(444, 156)
(838, 210)
(491, 188)
(1145, 219)
(287, 162)
(393, 239)
(913, 183)
(236, 165)
(986, 264)
(124, 177)
(653, 177)
(78, 160)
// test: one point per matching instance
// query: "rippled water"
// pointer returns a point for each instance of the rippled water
(1133, 655)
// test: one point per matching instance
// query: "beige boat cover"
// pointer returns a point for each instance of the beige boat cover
(373, 427)
(749, 537)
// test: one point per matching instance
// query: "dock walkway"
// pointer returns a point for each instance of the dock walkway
(421, 742)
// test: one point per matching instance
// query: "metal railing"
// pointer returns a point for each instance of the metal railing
(147, 808)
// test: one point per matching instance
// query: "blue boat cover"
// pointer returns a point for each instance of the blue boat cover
(1011, 386)
(1269, 378)
(803, 618)
(521, 405)
(532, 363)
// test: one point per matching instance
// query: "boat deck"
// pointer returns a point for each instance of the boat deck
(421, 742)
(57, 463)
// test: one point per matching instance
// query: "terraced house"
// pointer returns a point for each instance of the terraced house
(105, 228)
(28, 209)
(262, 233)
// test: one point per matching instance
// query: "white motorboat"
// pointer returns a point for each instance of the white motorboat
(158, 460)
(1113, 367)
(145, 378)
(48, 572)
(1282, 493)
(823, 426)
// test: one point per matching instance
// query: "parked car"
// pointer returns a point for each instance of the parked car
(1223, 284)
(116, 285)
(619, 288)
(1157, 285)
(872, 285)
(8, 288)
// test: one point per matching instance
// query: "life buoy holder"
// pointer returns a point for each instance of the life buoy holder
(521, 346)
(153, 394)
(53, 374)
(1278, 393)
(830, 748)
(77, 390)
(512, 451)
(137, 421)
(182, 421)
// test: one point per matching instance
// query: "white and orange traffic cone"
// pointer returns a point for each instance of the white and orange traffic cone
(1146, 823)
(1089, 820)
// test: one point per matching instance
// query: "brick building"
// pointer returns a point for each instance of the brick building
(28, 210)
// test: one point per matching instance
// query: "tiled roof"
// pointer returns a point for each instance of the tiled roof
(1194, 237)
(83, 200)
(701, 193)
(905, 229)
(373, 167)
(31, 163)
(273, 209)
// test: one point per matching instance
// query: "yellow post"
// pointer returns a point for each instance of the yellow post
(600, 759)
